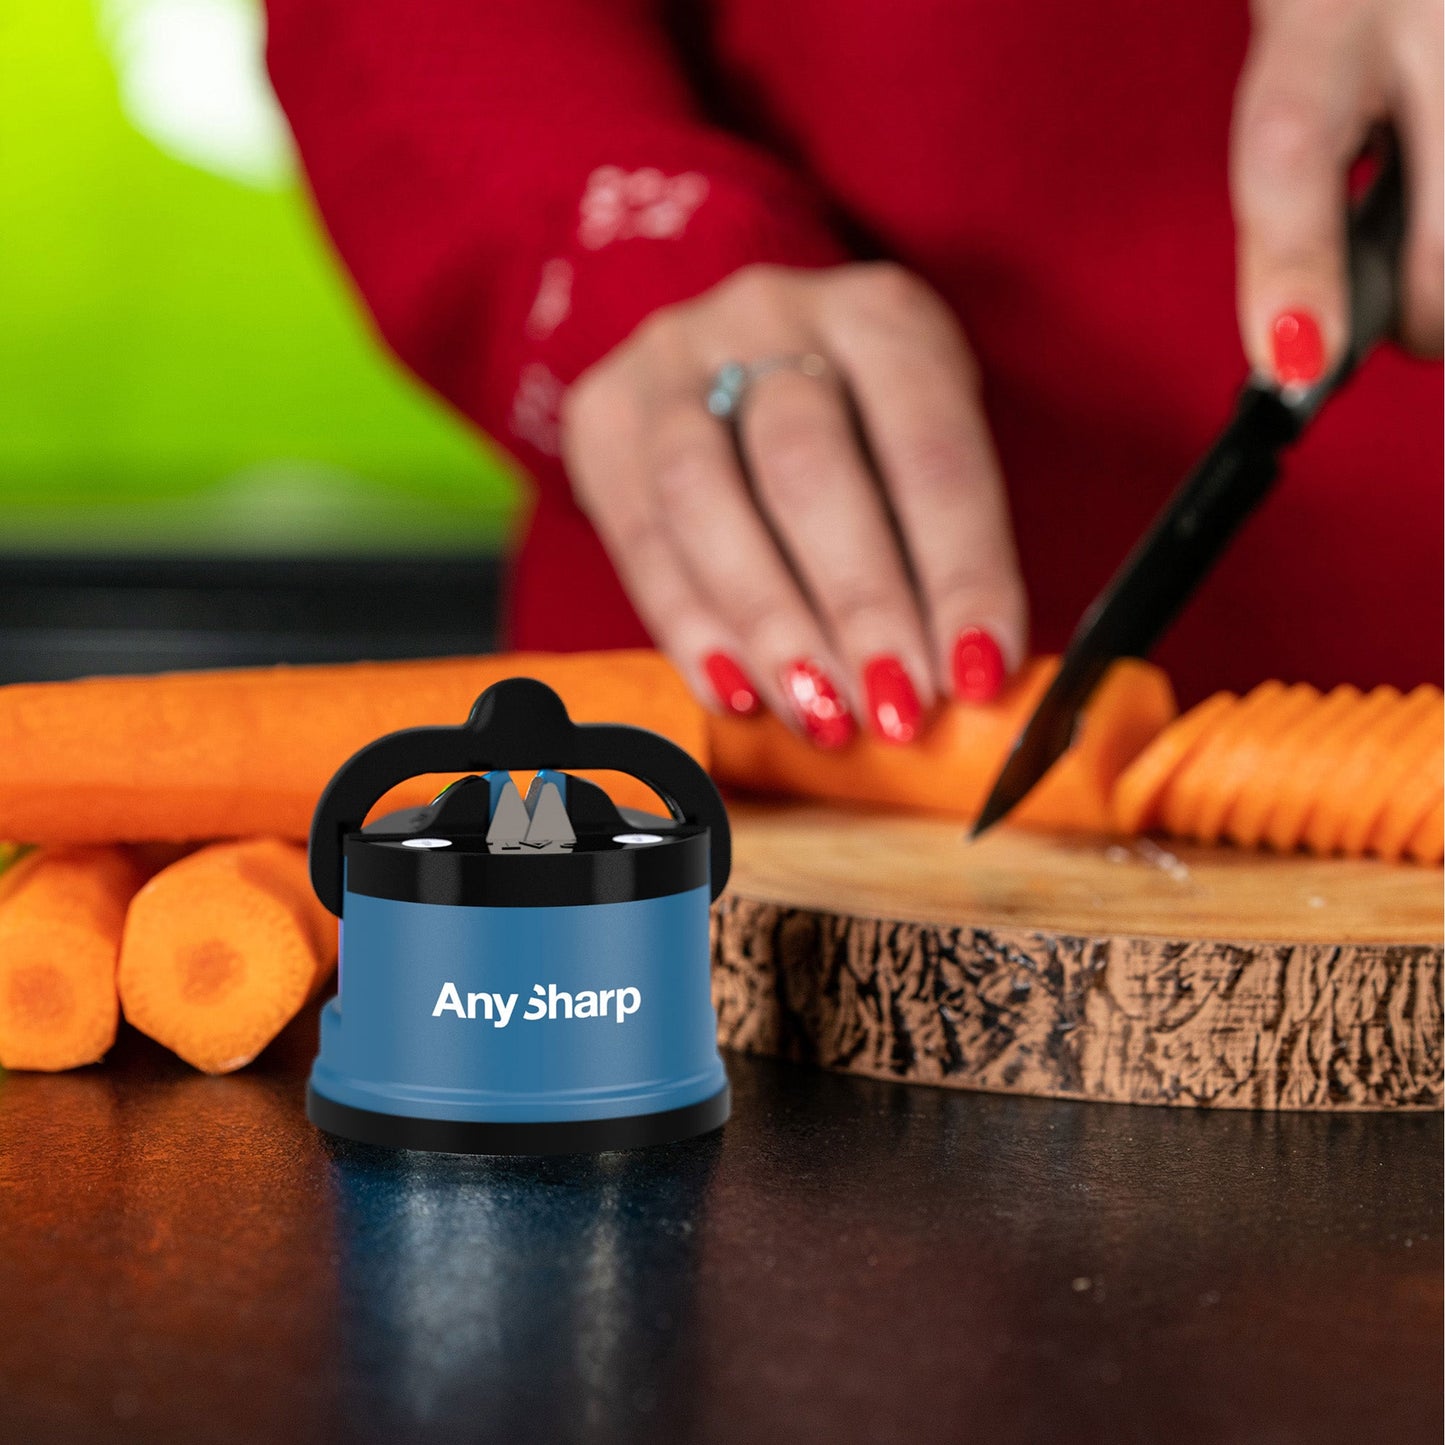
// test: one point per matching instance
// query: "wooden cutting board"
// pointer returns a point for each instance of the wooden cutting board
(1079, 967)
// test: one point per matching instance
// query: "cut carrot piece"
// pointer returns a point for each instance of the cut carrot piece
(1401, 789)
(1126, 713)
(1410, 803)
(1306, 774)
(1290, 748)
(197, 756)
(61, 918)
(280, 868)
(1427, 842)
(959, 753)
(1241, 762)
(1142, 783)
(1183, 798)
(1392, 848)
(222, 949)
(1352, 790)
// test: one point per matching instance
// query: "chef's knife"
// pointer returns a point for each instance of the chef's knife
(1196, 525)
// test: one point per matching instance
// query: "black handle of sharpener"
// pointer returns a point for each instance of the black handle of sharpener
(517, 723)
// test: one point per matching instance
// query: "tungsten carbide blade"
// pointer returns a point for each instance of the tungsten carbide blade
(509, 820)
(550, 829)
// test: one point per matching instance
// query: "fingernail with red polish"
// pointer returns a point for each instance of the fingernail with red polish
(978, 671)
(1299, 349)
(822, 712)
(730, 683)
(892, 702)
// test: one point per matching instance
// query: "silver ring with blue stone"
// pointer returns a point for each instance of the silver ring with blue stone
(732, 381)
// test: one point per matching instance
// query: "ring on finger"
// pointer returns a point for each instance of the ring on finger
(733, 380)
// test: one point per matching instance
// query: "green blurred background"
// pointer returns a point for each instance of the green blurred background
(184, 370)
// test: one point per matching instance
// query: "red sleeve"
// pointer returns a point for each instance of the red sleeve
(515, 184)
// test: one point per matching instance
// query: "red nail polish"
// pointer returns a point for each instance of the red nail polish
(1299, 349)
(977, 666)
(730, 683)
(823, 713)
(892, 702)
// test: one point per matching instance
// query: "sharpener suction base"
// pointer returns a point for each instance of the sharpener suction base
(581, 1136)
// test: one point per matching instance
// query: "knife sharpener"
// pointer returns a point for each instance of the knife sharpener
(520, 976)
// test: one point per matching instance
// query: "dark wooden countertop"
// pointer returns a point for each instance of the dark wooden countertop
(185, 1259)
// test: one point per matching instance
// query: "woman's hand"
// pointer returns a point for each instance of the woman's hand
(1320, 73)
(851, 554)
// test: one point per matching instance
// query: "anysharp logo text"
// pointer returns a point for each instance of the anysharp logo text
(547, 1002)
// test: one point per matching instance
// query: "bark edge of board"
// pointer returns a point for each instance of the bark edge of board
(1140, 1020)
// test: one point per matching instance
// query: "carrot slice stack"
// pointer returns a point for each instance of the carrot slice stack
(1290, 748)
(1310, 772)
(1411, 802)
(1354, 793)
(1239, 764)
(1183, 800)
(222, 949)
(1400, 784)
(61, 915)
(1143, 782)
(1342, 773)
(1427, 842)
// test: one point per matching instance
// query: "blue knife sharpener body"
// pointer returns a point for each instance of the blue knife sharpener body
(520, 978)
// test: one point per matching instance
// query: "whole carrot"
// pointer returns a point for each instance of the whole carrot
(195, 756)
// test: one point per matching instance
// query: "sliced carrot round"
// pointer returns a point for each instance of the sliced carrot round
(1142, 783)
(1303, 777)
(1427, 842)
(1393, 845)
(1409, 807)
(1184, 796)
(1351, 796)
(1407, 788)
(1239, 763)
(1246, 821)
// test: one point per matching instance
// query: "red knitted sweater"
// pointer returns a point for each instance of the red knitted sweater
(514, 184)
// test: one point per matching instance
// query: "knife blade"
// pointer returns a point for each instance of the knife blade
(1198, 522)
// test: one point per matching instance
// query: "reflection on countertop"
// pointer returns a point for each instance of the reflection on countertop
(185, 1258)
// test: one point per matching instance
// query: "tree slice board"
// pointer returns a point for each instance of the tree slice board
(1079, 968)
